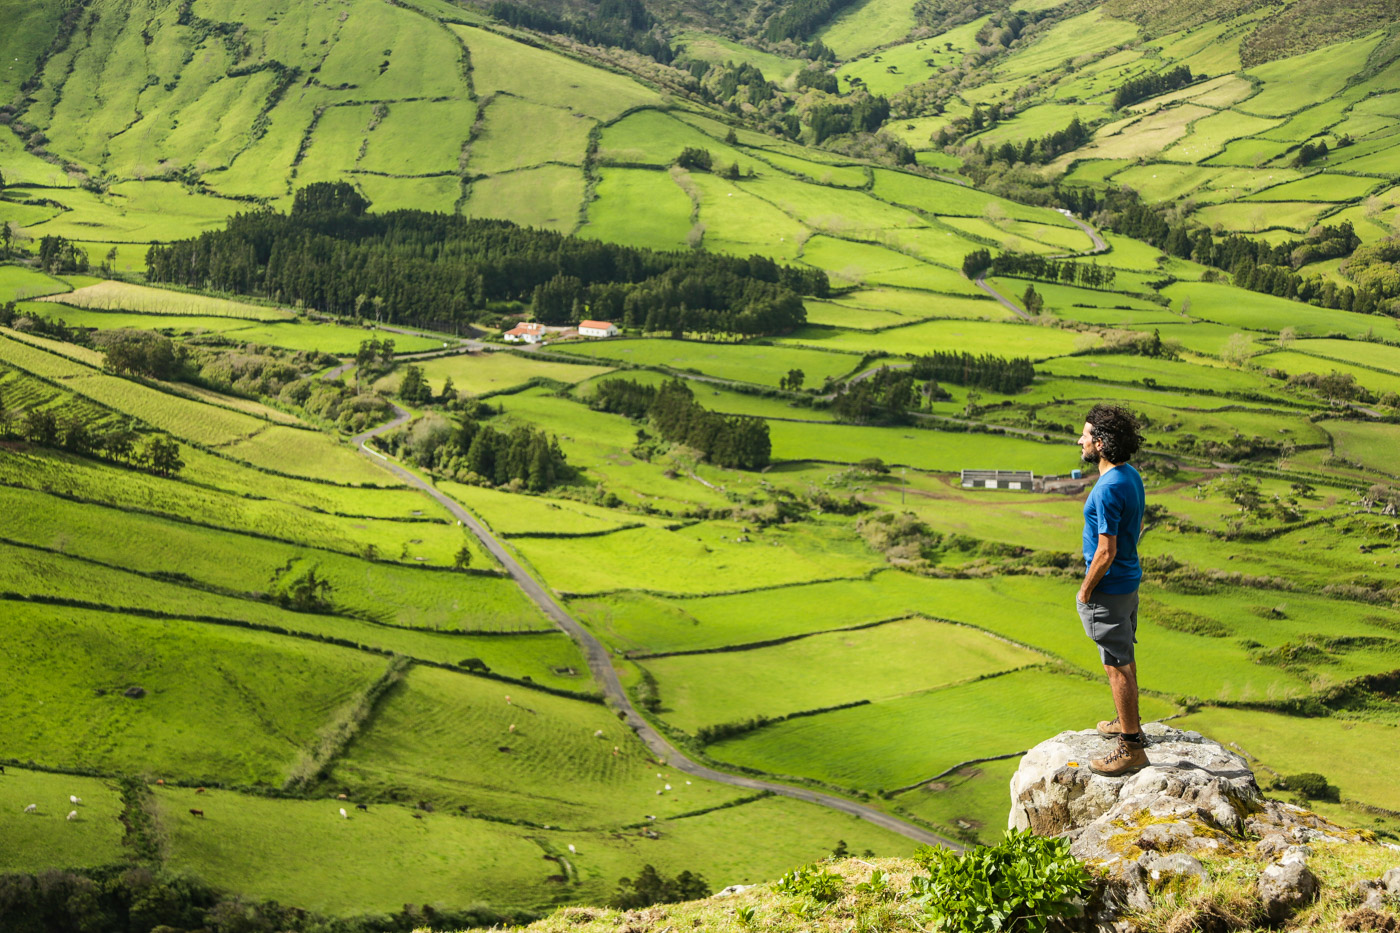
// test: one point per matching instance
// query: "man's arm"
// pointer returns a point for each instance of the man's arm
(1103, 557)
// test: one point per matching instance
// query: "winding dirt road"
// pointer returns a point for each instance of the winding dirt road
(600, 664)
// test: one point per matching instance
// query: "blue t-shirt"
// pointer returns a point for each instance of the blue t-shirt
(1115, 507)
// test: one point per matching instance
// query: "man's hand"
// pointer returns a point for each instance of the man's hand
(1103, 557)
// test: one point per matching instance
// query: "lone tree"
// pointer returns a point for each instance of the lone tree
(163, 456)
(463, 558)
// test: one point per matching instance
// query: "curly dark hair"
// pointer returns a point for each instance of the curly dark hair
(1116, 427)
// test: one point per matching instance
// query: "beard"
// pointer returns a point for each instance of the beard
(1087, 457)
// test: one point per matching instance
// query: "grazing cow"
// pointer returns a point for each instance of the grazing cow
(343, 814)
(360, 806)
(32, 808)
(72, 815)
(417, 816)
(2, 769)
(160, 781)
(342, 797)
(198, 813)
(199, 790)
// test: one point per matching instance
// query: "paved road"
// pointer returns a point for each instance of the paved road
(1099, 247)
(600, 664)
(1007, 303)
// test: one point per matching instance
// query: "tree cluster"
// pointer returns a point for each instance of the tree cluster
(798, 19)
(523, 455)
(994, 373)
(432, 268)
(1150, 85)
(621, 24)
(27, 322)
(58, 254)
(145, 353)
(882, 397)
(1030, 266)
(727, 440)
(1031, 151)
(652, 887)
(77, 434)
(862, 113)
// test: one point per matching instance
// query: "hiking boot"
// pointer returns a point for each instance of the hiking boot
(1110, 727)
(1125, 758)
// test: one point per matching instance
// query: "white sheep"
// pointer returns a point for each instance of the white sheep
(512, 727)
(572, 850)
(343, 814)
(75, 801)
(668, 786)
(32, 808)
(72, 815)
(598, 734)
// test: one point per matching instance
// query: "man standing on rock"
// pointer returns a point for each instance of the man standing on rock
(1108, 597)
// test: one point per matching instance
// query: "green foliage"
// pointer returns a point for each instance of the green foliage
(414, 389)
(141, 353)
(1150, 85)
(300, 587)
(727, 440)
(1311, 786)
(814, 882)
(652, 887)
(1023, 883)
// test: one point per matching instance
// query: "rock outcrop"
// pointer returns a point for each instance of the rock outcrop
(1148, 831)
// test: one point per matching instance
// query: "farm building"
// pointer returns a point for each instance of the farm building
(525, 333)
(998, 479)
(597, 329)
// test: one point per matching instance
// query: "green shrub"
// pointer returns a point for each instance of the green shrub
(811, 881)
(1021, 883)
(1311, 786)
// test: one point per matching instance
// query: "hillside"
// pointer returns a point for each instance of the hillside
(700, 597)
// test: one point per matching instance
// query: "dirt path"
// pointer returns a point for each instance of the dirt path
(600, 665)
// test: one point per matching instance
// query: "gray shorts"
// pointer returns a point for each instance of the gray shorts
(1110, 619)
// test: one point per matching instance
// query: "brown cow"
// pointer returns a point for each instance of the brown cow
(198, 813)
(199, 790)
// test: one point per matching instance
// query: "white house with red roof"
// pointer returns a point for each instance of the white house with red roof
(597, 329)
(525, 332)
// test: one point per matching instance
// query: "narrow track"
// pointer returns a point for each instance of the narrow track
(600, 665)
(1099, 247)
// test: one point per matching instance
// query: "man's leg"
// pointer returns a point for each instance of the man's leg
(1123, 682)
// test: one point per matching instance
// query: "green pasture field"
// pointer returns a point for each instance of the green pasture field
(547, 196)
(867, 747)
(1146, 137)
(1204, 337)
(1321, 187)
(1361, 352)
(438, 738)
(736, 221)
(915, 305)
(1294, 363)
(1095, 171)
(702, 558)
(1039, 120)
(399, 146)
(326, 338)
(20, 282)
(876, 663)
(1210, 134)
(263, 696)
(1071, 38)
(945, 246)
(1114, 367)
(433, 193)
(426, 598)
(554, 135)
(131, 257)
(1088, 304)
(1289, 84)
(26, 214)
(124, 296)
(822, 173)
(36, 842)
(1250, 152)
(478, 373)
(1290, 744)
(971, 799)
(867, 25)
(1015, 236)
(1127, 253)
(1373, 445)
(946, 198)
(654, 137)
(1254, 217)
(704, 47)
(501, 64)
(546, 659)
(335, 144)
(918, 448)
(373, 861)
(747, 362)
(834, 314)
(309, 454)
(1157, 181)
(852, 263)
(893, 69)
(135, 212)
(1001, 339)
(1223, 304)
(1169, 423)
(511, 514)
(639, 207)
